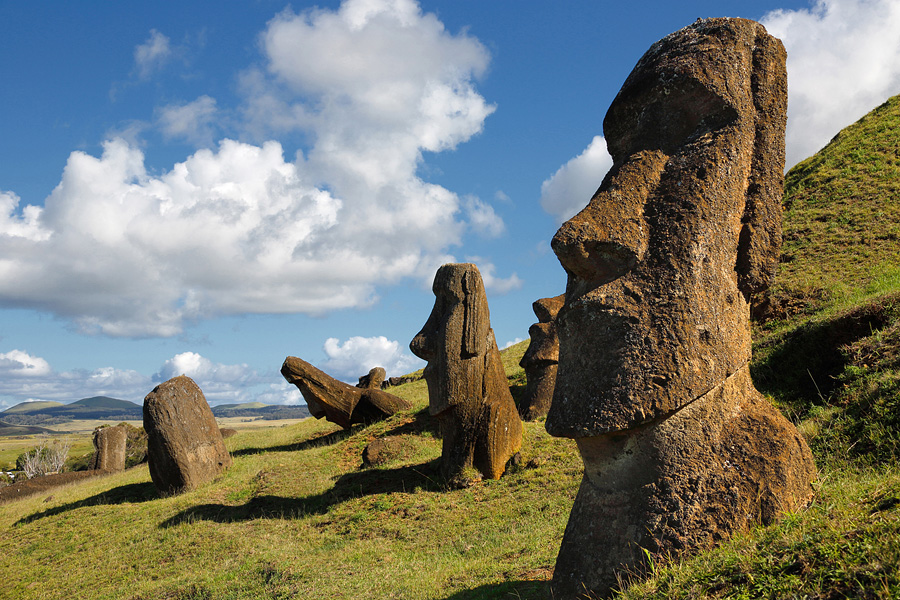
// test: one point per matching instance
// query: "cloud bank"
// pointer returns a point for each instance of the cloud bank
(125, 250)
(843, 61)
(570, 189)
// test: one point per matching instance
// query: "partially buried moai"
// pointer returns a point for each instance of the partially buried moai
(541, 359)
(109, 448)
(184, 445)
(679, 448)
(467, 387)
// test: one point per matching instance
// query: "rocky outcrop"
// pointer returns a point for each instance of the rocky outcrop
(373, 379)
(467, 387)
(184, 446)
(679, 448)
(336, 401)
(541, 359)
(109, 448)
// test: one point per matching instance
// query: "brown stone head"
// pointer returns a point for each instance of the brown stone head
(455, 338)
(683, 229)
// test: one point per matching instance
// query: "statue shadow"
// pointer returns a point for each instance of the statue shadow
(133, 492)
(325, 439)
(347, 487)
(536, 590)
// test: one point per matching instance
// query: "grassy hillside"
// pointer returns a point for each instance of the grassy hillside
(30, 407)
(6, 429)
(103, 402)
(297, 516)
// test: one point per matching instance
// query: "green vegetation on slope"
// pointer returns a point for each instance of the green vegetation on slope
(297, 516)
(29, 407)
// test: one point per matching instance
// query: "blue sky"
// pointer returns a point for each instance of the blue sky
(206, 187)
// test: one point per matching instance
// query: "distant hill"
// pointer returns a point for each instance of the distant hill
(31, 407)
(243, 406)
(9, 430)
(258, 409)
(100, 402)
(48, 413)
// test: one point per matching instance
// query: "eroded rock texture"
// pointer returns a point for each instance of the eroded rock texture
(540, 359)
(109, 449)
(184, 446)
(373, 379)
(339, 402)
(679, 448)
(467, 387)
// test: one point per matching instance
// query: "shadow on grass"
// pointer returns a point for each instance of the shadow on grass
(347, 487)
(133, 492)
(536, 590)
(326, 439)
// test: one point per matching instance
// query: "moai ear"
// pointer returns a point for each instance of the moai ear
(475, 318)
(759, 245)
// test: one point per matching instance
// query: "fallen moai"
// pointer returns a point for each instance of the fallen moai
(679, 449)
(467, 387)
(541, 359)
(184, 446)
(109, 448)
(373, 379)
(339, 402)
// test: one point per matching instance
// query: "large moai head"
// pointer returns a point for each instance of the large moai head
(683, 229)
(456, 338)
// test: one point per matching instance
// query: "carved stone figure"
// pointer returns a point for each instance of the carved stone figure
(184, 446)
(679, 448)
(109, 448)
(373, 379)
(339, 402)
(540, 359)
(467, 387)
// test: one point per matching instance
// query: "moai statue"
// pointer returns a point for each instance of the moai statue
(373, 379)
(184, 446)
(109, 449)
(467, 387)
(540, 359)
(340, 402)
(679, 449)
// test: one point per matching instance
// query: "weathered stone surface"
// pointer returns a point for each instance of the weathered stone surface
(540, 359)
(184, 445)
(382, 450)
(109, 448)
(339, 402)
(679, 449)
(467, 387)
(373, 379)
(227, 432)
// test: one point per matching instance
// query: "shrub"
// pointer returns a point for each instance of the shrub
(44, 459)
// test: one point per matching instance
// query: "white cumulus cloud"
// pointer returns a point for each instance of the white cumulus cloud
(570, 189)
(354, 357)
(125, 250)
(843, 61)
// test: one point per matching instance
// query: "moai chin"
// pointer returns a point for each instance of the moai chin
(467, 387)
(541, 359)
(679, 448)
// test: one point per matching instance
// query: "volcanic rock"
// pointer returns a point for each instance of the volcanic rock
(467, 387)
(679, 448)
(184, 446)
(339, 402)
(540, 359)
(109, 448)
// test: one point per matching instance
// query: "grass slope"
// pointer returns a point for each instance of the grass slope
(104, 402)
(30, 407)
(296, 516)
(6, 429)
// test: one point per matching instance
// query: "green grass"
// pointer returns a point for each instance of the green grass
(298, 517)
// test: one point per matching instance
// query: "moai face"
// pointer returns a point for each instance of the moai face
(455, 338)
(684, 228)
